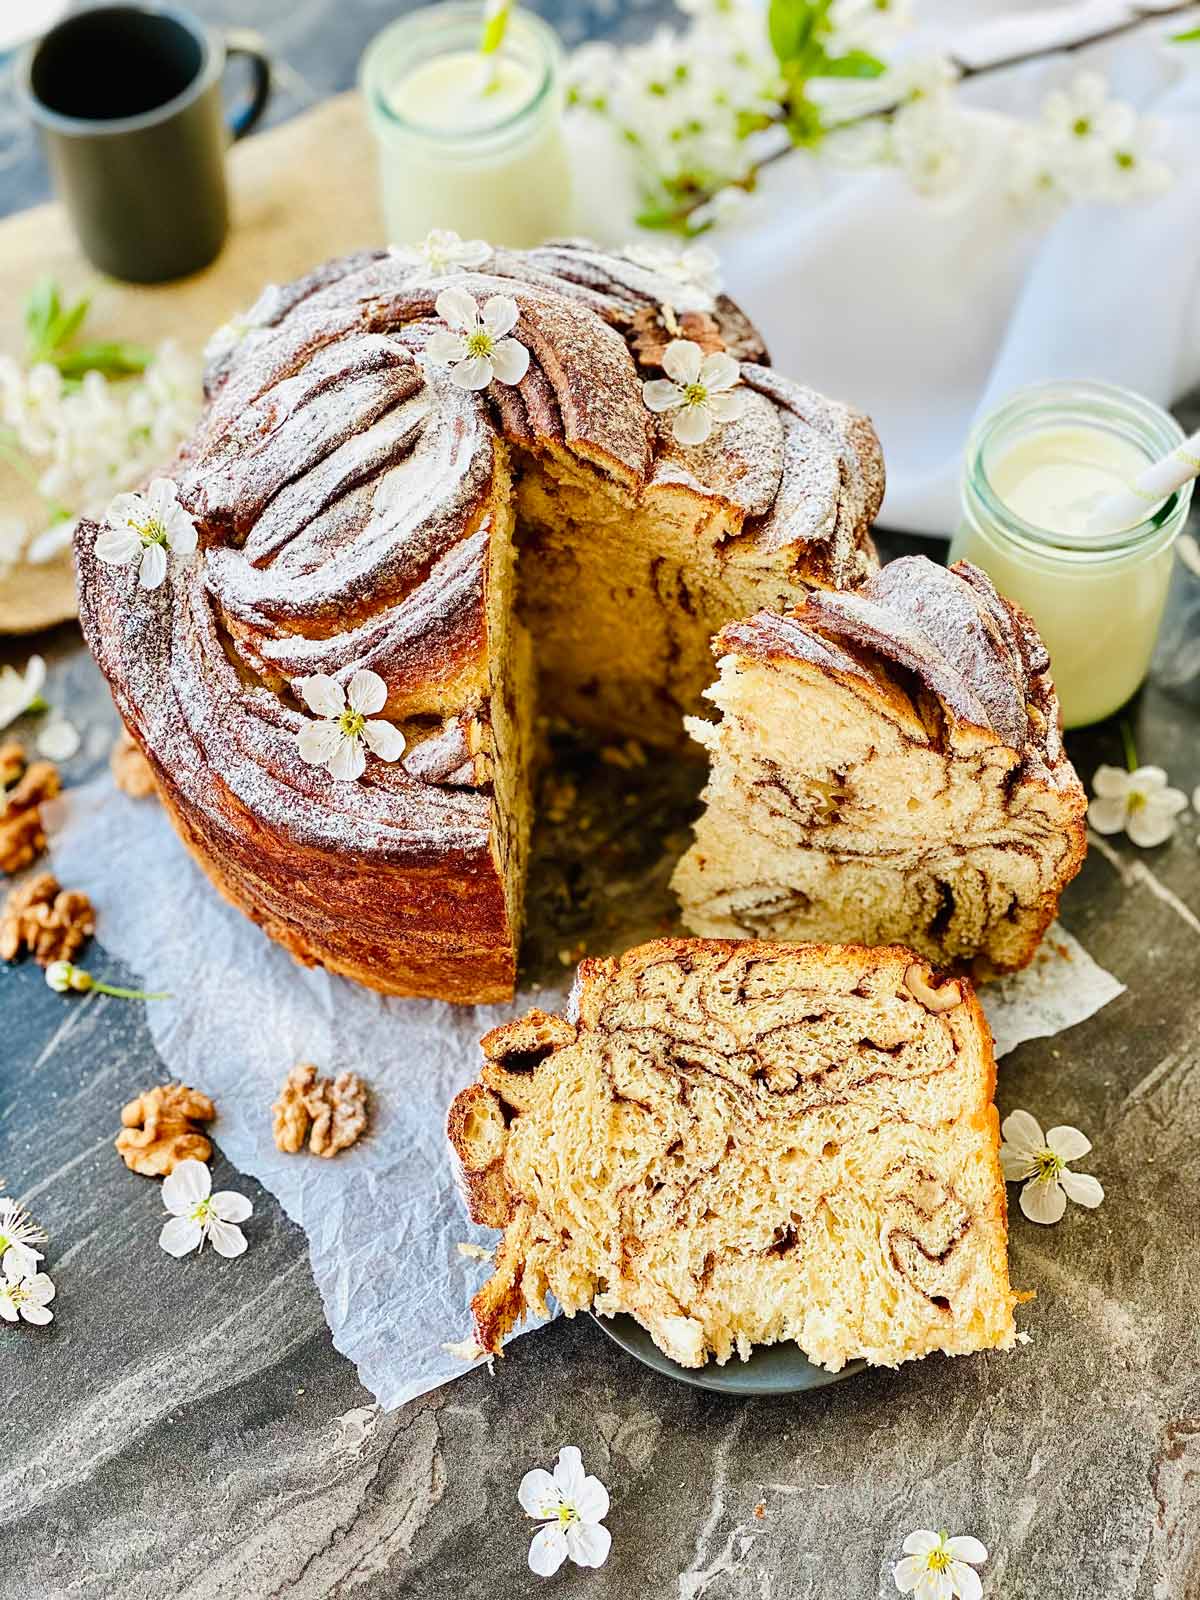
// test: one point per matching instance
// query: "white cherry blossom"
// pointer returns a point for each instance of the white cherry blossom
(19, 690)
(939, 1568)
(442, 251)
(58, 739)
(18, 1235)
(697, 389)
(143, 528)
(1140, 803)
(571, 1507)
(693, 266)
(336, 743)
(476, 349)
(1083, 118)
(1040, 1162)
(1128, 172)
(199, 1216)
(25, 1296)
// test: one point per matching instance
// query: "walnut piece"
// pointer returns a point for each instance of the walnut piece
(159, 1129)
(943, 999)
(25, 784)
(331, 1113)
(49, 922)
(653, 329)
(130, 768)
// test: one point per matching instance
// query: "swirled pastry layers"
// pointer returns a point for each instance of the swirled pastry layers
(888, 767)
(743, 1143)
(356, 509)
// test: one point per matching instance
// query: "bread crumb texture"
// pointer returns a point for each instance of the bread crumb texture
(739, 1143)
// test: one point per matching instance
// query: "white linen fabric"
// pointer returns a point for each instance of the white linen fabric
(926, 313)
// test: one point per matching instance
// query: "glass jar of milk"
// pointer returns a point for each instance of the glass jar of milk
(1033, 471)
(468, 142)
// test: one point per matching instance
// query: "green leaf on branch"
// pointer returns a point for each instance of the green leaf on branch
(115, 359)
(854, 64)
(1187, 37)
(796, 27)
(42, 308)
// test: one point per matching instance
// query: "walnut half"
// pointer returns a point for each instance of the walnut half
(160, 1129)
(50, 922)
(25, 785)
(943, 999)
(330, 1113)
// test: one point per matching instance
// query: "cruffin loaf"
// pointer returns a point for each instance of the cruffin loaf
(357, 509)
(739, 1143)
(889, 766)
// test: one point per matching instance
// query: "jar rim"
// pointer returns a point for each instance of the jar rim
(456, 25)
(1086, 401)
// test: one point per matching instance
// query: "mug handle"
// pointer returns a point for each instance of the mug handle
(249, 45)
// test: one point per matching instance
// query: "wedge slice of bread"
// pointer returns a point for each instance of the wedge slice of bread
(740, 1143)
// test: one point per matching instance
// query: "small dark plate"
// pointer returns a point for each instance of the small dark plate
(771, 1369)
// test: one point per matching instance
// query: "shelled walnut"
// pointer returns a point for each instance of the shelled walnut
(160, 1129)
(130, 768)
(48, 921)
(331, 1113)
(25, 785)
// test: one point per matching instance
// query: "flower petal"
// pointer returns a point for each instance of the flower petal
(964, 1581)
(1068, 1143)
(367, 692)
(322, 694)
(1111, 783)
(58, 739)
(588, 1544)
(225, 1239)
(681, 360)
(7, 1310)
(385, 739)
(547, 1550)
(510, 361)
(1107, 816)
(935, 1586)
(964, 1548)
(1082, 1188)
(920, 1542)
(117, 547)
(538, 1495)
(230, 1206)
(1043, 1201)
(457, 309)
(1150, 825)
(719, 371)
(446, 348)
(1023, 1131)
(185, 1187)
(180, 1236)
(660, 394)
(153, 566)
(1147, 780)
(473, 374)
(726, 407)
(568, 1473)
(500, 315)
(40, 1289)
(591, 1501)
(181, 533)
(318, 742)
(347, 761)
(1016, 1164)
(692, 424)
(38, 1315)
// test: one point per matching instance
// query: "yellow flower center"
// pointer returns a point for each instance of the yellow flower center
(566, 1515)
(1048, 1166)
(352, 723)
(939, 1559)
(694, 394)
(1136, 800)
(480, 343)
(151, 531)
(1081, 127)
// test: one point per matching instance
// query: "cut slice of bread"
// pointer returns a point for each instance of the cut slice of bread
(888, 769)
(740, 1143)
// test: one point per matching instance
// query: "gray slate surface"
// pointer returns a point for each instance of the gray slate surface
(174, 1433)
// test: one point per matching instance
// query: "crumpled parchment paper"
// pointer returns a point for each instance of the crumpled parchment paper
(383, 1219)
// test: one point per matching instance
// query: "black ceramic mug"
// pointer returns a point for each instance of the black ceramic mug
(129, 101)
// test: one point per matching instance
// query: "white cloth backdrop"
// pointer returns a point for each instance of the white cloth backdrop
(926, 312)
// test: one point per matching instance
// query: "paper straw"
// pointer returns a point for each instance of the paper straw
(1135, 502)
